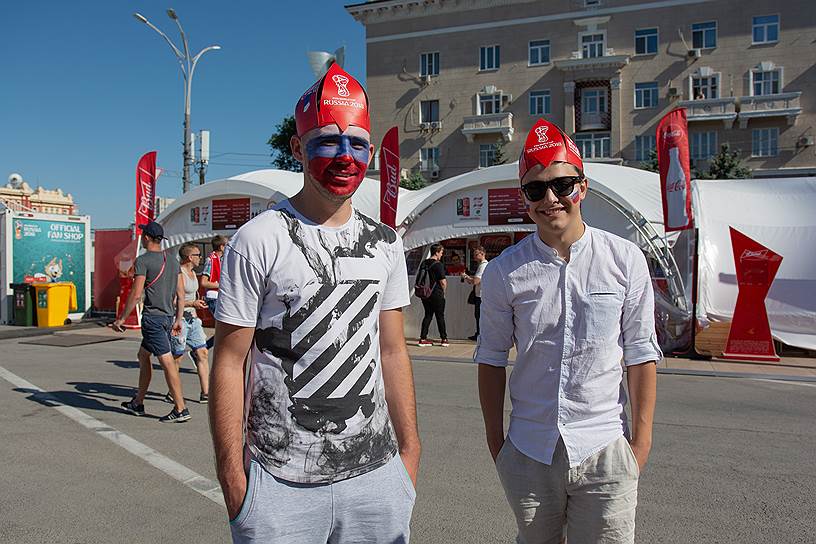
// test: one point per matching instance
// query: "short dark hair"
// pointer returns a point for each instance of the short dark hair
(218, 241)
(435, 248)
(480, 248)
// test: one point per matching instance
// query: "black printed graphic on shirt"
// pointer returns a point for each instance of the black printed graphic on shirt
(334, 413)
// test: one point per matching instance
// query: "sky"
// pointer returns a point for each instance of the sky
(86, 89)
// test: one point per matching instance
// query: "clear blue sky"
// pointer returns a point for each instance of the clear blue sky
(87, 89)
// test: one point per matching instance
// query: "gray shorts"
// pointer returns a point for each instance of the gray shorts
(374, 507)
(596, 500)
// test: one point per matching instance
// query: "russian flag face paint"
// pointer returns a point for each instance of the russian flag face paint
(575, 195)
(338, 161)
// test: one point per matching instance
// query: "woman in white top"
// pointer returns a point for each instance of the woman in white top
(475, 280)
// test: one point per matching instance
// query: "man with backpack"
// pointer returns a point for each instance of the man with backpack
(430, 287)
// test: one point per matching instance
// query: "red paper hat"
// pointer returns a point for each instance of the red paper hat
(336, 99)
(545, 144)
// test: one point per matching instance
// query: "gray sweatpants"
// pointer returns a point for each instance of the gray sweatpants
(371, 508)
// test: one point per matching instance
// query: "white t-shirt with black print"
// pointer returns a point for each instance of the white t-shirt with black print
(315, 403)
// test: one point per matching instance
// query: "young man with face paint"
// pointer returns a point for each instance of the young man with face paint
(576, 301)
(310, 452)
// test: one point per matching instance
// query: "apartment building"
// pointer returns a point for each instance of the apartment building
(465, 79)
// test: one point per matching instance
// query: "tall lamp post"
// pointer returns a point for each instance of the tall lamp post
(187, 65)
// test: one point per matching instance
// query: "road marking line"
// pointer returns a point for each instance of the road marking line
(785, 382)
(177, 471)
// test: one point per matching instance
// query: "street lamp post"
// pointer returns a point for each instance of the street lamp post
(187, 65)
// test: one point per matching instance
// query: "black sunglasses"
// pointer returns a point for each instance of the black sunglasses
(536, 190)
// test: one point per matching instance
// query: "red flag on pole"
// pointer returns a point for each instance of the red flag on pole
(675, 174)
(145, 190)
(389, 177)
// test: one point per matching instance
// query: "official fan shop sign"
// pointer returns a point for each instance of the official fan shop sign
(750, 334)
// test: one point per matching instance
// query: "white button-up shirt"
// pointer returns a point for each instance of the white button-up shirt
(572, 323)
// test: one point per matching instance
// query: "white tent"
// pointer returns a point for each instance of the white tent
(779, 214)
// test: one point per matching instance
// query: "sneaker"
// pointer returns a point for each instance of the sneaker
(176, 417)
(168, 398)
(444, 343)
(424, 342)
(203, 398)
(133, 408)
(474, 337)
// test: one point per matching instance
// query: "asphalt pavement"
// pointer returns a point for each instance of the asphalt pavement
(732, 460)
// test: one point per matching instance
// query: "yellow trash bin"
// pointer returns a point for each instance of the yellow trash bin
(54, 301)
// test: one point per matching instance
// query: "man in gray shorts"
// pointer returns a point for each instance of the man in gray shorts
(315, 290)
(157, 276)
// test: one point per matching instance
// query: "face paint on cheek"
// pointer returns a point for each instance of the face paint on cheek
(575, 195)
(336, 164)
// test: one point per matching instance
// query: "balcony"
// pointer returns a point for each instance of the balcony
(577, 62)
(774, 105)
(711, 109)
(595, 121)
(492, 123)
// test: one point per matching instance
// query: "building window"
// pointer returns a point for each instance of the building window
(429, 64)
(539, 53)
(592, 46)
(487, 155)
(766, 29)
(646, 41)
(705, 87)
(539, 102)
(766, 82)
(646, 95)
(644, 145)
(765, 142)
(429, 111)
(593, 101)
(704, 35)
(703, 145)
(489, 57)
(593, 145)
(429, 159)
(489, 103)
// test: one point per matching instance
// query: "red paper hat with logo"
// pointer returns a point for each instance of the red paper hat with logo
(545, 144)
(336, 99)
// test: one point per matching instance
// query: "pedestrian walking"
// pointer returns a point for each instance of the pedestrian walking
(480, 256)
(434, 305)
(211, 275)
(192, 333)
(313, 291)
(576, 301)
(158, 278)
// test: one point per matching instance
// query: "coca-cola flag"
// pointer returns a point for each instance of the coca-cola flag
(389, 177)
(675, 175)
(145, 190)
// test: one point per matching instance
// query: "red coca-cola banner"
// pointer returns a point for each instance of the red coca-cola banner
(675, 175)
(145, 190)
(750, 334)
(389, 177)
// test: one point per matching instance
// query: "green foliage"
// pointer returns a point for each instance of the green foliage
(725, 164)
(651, 163)
(414, 181)
(279, 142)
(500, 156)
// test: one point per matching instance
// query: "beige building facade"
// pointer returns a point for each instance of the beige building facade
(19, 196)
(466, 79)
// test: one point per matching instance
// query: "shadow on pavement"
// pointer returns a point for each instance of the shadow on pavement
(88, 396)
(156, 366)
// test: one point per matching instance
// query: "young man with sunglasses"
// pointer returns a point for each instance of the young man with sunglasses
(321, 444)
(576, 301)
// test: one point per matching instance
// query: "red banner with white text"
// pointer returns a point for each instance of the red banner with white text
(750, 334)
(389, 177)
(145, 190)
(675, 174)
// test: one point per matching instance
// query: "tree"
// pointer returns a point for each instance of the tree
(651, 163)
(414, 181)
(499, 156)
(725, 165)
(279, 142)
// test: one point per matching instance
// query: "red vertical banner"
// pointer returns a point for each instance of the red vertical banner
(145, 190)
(389, 177)
(750, 334)
(675, 174)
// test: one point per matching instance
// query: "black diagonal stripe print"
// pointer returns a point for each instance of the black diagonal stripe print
(330, 353)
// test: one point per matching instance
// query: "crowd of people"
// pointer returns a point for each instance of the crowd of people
(317, 441)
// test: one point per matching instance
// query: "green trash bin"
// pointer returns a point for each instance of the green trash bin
(24, 305)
